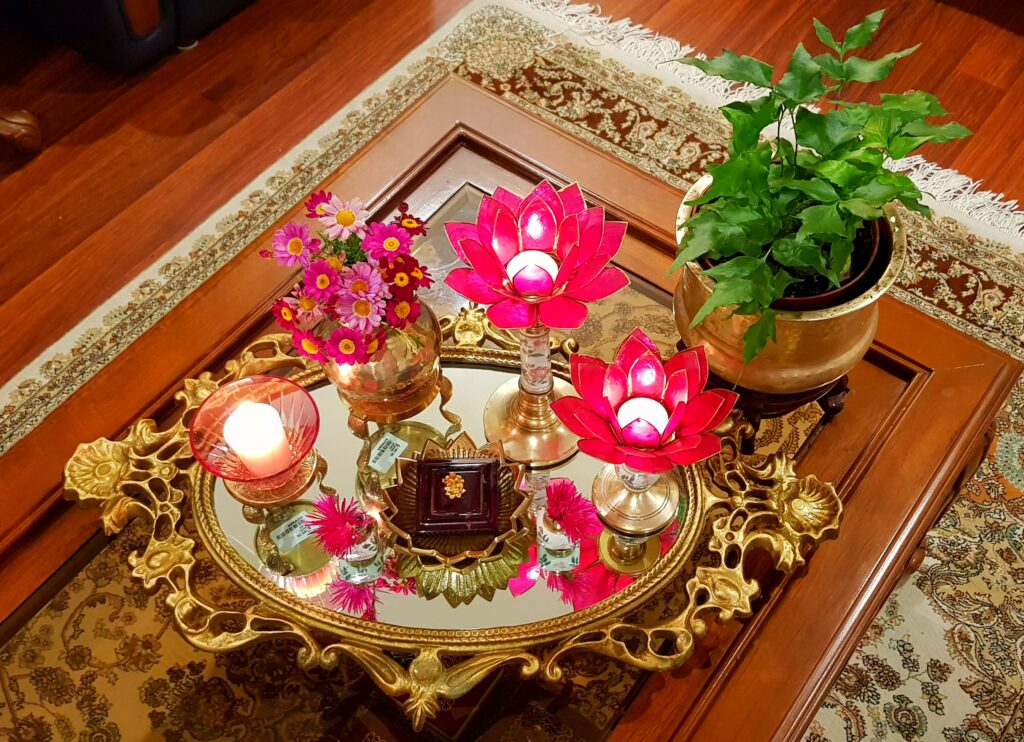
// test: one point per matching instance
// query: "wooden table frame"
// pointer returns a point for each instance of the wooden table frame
(906, 445)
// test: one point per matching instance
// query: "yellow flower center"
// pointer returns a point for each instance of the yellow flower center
(309, 346)
(360, 285)
(295, 246)
(401, 279)
(347, 347)
(372, 347)
(335, 262)
(417, 273)
(402, 309)
(286, 314)
(409, 222)
(391, 244)
(320, 209)
(307, 303)
(362, 307)
(345, 218)
(323, 281)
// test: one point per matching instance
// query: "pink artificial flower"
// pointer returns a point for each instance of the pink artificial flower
(308, 310)
(678, 417)
(347, 345)
(293, 245)
(403, 310)
(344, 218)
(307, 344)
(338, 526)
(538, 259)
(316, 204)
(577, 588)
(360, 311)
(363, 278)
(285, 314)
(392, 581)
(321, 281)
(386, 241)
(355, 600)
(571, 510)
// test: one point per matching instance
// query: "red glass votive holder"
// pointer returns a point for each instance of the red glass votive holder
(257, 435)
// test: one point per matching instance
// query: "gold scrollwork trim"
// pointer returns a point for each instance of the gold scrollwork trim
(151, 472)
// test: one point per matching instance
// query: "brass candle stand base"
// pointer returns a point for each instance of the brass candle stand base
(626, 557)
(258, 495)
(526, 426)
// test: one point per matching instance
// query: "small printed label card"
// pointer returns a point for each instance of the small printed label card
(386, 452)
(292, 532)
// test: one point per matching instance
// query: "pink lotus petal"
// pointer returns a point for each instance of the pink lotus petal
(505, 237)
(588, 379)
(656, 465)
(706, 410)
(567, 410)
(563, 313)
(635, 345)
(471, 285)
(647, 377)
(484, 262)
(533, 281)
(611, 241)
(641, 433)
(512, 314)
(576, 367)
(572, 199)
(537, 226)
(602, 451)
(489, 210)
(674, 421)
(508, 199)
(568, 267)
(607, 282)
(693, 448)
(546, 192)
(591, 232)
(568, 236)
(457, 232)
(693, 359)
(615, 386)
(677, 388)
(596, 425)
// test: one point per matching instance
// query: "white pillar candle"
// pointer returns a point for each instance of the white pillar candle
(254, 432)
(643, 408)
(537, 258)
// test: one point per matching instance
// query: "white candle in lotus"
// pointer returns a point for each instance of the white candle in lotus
(254, 432)
(643, 408)
(537, 258)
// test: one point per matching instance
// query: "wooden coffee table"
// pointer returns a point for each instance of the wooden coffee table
(914, 426)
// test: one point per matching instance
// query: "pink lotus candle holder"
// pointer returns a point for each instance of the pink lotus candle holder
(644, 417)
(257, 435)
(537, 262)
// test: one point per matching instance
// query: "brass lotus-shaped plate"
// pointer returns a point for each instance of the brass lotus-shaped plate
(459, 566)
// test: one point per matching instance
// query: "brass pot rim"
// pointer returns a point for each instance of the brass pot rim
(873, 294)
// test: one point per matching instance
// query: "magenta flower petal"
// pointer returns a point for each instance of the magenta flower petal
(457, 232)
(484, 262)
(591, 224)
(568, 267)
(656, 465)
(505, 237)
(537, 226)
(568, 236)
(693, 448)
(647, 377)
(588, 378)
(486, 217)
(635, 345)
(603, 451)
(707, 410)
(695, 360)
(607, 282)
(545, 191)
(615, 386)
(563, 312)
(611, 240)
(595, 425)
(512, 314)
(675, 419)
(641, 433)
(508, 199)
(572, 199)
(677, 388)
(470, 284)
(566, 409)
(533, 281)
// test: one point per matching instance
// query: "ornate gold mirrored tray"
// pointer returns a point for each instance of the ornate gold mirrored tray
(422, 649)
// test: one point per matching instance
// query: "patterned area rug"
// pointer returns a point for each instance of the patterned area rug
(943, 658)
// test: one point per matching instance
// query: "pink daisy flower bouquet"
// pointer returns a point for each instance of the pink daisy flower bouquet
(359, 280)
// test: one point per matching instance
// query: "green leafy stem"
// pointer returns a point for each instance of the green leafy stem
(781, 212)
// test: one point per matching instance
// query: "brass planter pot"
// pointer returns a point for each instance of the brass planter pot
(812, 349)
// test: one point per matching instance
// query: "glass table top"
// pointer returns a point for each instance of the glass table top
(546, 586)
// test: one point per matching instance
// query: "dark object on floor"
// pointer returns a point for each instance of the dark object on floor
(124, 35)
(20, 132)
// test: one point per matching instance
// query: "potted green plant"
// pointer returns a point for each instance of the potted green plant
(787, 245)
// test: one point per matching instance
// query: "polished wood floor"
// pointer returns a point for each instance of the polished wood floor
(133, 163)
